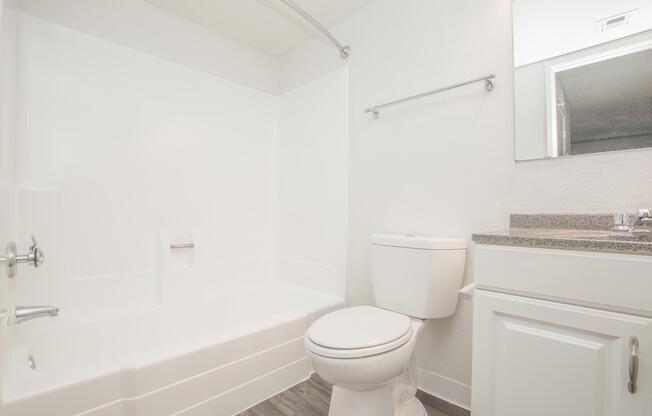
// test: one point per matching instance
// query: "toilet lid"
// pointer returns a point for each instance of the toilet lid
(358, 331)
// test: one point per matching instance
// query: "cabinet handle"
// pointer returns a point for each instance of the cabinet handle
(633, 365)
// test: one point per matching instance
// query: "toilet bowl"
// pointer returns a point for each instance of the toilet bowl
(367, 352)
(372, 376)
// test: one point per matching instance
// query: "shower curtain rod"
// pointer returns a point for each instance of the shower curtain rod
(345, 51)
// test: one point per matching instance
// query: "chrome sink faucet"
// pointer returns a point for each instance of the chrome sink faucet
(621, 224)
(642, 226)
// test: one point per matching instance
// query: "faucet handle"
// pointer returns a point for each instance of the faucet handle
(621, 222)
(34, 242)
(35, 256)
(12, 259)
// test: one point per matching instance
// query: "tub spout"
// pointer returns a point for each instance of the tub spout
(26, 313)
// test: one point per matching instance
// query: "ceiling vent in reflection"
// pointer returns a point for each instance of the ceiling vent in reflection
(614, 22)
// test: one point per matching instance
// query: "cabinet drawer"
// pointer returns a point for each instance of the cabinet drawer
(618, 282)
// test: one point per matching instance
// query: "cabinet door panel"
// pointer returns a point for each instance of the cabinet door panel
(541, 358)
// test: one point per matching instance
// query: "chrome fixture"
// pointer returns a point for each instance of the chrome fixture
(27, 313)
(345, 51)
(180, 246)
(489, 83)
(643, 224)
(12, 259)
(632, 384)
(31, 362)
(621, 223)
(644, 218)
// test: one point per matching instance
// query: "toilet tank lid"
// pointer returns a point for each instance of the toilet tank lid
(424, 242)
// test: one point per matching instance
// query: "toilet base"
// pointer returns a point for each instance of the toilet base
(412, 407)
(377, 402)
(393, 399)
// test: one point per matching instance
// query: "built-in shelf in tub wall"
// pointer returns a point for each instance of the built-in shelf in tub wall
(177, 250)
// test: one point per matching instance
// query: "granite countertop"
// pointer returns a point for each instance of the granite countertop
(583, 232)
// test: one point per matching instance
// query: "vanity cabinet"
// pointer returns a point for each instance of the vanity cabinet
(540, 358)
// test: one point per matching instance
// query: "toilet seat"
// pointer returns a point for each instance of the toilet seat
(357, 332)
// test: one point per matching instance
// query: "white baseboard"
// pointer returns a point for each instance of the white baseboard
(443, 387)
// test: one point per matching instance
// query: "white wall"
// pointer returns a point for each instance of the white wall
(312, 163)
(120, 153)
(139, 25)
(544, 29)
(444, 165)
(8, 66)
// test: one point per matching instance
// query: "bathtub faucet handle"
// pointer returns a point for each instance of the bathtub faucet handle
(35, 256)
(12, 259)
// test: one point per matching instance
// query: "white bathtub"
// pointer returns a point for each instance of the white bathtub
(215, 358)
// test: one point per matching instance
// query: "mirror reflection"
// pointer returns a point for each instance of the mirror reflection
(582, 76)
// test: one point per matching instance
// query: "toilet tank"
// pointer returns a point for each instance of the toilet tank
(417, 275)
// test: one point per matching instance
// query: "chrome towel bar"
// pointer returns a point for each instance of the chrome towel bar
(489, 82)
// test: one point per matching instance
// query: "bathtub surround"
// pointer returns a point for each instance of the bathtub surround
(311, 152)
(120, 154)
(7, 130)
(167, 154)
(108, 180)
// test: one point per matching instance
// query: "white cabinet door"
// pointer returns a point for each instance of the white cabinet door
(539, 358)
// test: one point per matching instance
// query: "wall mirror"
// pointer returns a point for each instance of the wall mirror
(582, 76)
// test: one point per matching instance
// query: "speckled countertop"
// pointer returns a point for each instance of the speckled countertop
(583, 232)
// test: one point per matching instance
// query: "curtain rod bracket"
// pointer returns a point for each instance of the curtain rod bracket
(345, 52)
(490, 82)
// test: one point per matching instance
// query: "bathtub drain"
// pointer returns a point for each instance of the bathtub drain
(31, 362)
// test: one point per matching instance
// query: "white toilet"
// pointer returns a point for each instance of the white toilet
(367, 352)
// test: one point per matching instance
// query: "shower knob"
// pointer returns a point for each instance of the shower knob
(35, 256)
(12, 259)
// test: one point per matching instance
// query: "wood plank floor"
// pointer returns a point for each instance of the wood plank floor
(311, 398)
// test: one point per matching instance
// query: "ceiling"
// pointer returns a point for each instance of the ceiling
(265, 25)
